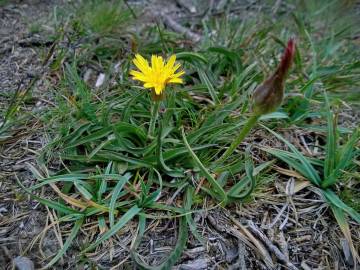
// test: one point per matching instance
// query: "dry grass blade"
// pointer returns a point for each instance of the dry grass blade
(344, 226)
(274, 249)
(260, 247)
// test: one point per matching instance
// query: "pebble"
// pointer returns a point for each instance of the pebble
(23, 263)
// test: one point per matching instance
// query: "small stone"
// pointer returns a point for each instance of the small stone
(87, 75)
(100, 80)
(347, 252)
(23, 263)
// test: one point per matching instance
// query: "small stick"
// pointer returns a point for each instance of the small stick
(181, 29)
(255, 230)
(187, 5)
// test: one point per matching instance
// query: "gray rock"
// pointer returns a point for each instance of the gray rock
(23, 263)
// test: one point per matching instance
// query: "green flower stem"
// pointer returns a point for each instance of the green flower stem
(154, 117)
(245, 130)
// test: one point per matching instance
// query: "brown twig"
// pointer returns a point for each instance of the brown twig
(180, 29)
(274, 249)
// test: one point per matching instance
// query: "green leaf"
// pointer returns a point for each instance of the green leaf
(333, 199)
(174, 255)
(91, 137)
(176, 152)
(122, 180)
(52, 204)
(133, 211)
(291, 155)
(50, 180)
(149, 199)
(292, 162)
(159, 153)
(345, 157)
(232, 56)
(67, 243)
(122, 129)
(331, 141)
(308, 168)
(114, 156)
(102, 223)
(191, 57)
(73, 136)
(344, 226)
(205, 79)
(208, 176)
(190, 221)
(238, 191)
(274, 115)
(82, 189)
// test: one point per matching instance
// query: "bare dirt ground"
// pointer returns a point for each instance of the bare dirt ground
(20, 61)
(288, 223)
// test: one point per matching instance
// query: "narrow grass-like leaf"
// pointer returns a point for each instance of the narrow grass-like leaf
(115, 195)
(311, 172)
(191, 57)
(139, 236)
(208, 176)
(345, 156)
(52, 204)
(176, 152)
(274, 115)
(51, 180)
(114, 156)
(190, 221)
(174, 255)
(133, 211)
(291, 155)
(330, 158)
(197, 134)
(67, 243)
(149, 199)
(344, 227)
(238, 191)
(82, 189)
(102, 223)
(204, 78)
(159, 154)
(292, 162)
(102, 145)
(74, 136)
(232, 56)
(92, 137)
(160, 206)
(129, 130)
(336, 201)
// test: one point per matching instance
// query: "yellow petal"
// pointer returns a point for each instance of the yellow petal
(158, 89)
(158, 74)
(176, 80)
(175, 68)
(141, 63)
(154, 65)
(180, 73)
(160, 62)
(170, 63)
(148, 85)
(138, 76)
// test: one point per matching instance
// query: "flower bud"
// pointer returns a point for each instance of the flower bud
(269, 95)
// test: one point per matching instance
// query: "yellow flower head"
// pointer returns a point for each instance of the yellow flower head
(158, 74)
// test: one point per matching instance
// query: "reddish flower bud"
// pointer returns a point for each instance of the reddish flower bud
(269, 95)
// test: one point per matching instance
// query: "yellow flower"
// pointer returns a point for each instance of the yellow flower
(159, 74)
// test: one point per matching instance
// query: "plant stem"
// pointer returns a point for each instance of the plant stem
(154, 117)
(245, 130)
